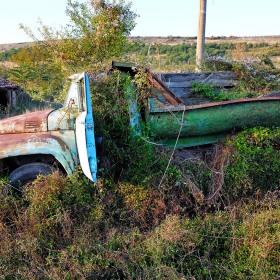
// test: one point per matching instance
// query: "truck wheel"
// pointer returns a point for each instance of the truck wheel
(27, 173)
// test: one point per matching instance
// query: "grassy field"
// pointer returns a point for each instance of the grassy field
(180, 53)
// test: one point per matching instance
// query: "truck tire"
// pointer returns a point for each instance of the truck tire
(27, 173)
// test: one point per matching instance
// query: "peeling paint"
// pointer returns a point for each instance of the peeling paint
(38, 143)
(208, 123)
(32, 122)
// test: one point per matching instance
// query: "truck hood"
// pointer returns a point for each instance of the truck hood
(31, 122)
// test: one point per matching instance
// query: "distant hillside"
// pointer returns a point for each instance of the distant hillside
(6, 47)
(173, 40)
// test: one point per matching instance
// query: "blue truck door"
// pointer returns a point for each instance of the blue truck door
(85, 134)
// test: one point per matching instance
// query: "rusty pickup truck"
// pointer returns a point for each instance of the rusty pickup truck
(40, 142)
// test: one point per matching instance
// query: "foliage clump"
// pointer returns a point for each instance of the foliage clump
(253, 164)
(69, 228)
(128, 155)
(216, 93)
(256, 75)
(97, 32)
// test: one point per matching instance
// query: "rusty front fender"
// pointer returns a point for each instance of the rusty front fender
(13, 145)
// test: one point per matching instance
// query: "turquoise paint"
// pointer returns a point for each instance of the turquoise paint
(89, 127)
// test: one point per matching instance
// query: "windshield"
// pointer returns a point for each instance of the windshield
(76, 95)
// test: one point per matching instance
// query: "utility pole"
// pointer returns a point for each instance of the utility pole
(201, 35)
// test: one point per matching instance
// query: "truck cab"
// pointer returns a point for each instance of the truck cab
(44, 141)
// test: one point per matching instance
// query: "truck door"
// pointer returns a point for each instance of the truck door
(85, 130)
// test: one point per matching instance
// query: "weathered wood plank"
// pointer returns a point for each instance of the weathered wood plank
(212, 82)
(179, 77)
(184, 77)
(181, 83)
(221, 83)
(165, 91)
(182, 92)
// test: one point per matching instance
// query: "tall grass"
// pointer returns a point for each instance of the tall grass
(54, 233)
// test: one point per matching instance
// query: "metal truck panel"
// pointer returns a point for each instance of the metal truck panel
(202, 123)
(61, 119)
(13, 145)
(27, 123)
(85, 137)
(69, 138)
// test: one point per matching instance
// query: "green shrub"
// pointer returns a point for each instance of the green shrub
(254, 163)
(216, 93)
(256, 75)
(127, 157)
(255, 251)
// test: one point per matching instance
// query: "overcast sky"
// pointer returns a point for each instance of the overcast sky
(157, 17)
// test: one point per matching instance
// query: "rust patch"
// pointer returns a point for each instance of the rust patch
(27, 123)
(34, 139)
(32, 124)
(13, 145)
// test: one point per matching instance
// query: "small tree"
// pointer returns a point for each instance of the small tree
(38, 73)
(97, 33)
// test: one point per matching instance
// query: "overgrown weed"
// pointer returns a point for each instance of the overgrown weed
(108, 236)
(256, 76)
